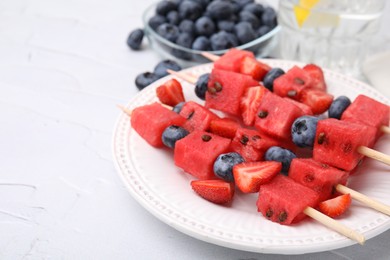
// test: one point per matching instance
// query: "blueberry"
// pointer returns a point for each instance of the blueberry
(263, 30)
(201, 86)
(168, 31)
(223, 165)
(303, 131)
(285, 156)
(185, 40)
(254, 8)
(226, 25)
(177, 109)
(202, 3)
(338, 106)
(204, 26)
(243, 3)
(190, 10)
(270, 77)
(222, 41)
(145, 79)
(269, 17)
(164, 7)
(134, 40)
(244, 32)
(173, 17)
(187, 26)
(246, 16)
(156, 21)
(161, 68)
(220, 10)
(201, 43)
(172, 134)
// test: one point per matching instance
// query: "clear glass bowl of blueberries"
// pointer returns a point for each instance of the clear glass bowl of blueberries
(181, 30)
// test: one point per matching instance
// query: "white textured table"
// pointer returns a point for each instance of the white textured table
(64, 65)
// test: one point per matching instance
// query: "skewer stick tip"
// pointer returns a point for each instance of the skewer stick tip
(210, 56)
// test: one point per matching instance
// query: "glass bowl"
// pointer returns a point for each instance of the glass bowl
(261, 47)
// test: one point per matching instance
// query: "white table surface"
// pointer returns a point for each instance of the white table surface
(64, 65)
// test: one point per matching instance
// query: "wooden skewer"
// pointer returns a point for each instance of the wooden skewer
(379, 206)
(333, 224)
(371, 153)
(184, 76)
(385, 129)
(210, 56)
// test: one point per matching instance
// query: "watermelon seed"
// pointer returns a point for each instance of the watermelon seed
(190, 115)
(282, 216)
(206, 138)
(324, 165)
(292, 93)
(299, 81)
(256, 137)
(244, 139)
(347, 148)
(217, 86)
(321, 138)
(309, 178)
(269, 213)
(263, 114)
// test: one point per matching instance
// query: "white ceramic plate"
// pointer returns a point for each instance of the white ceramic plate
(153, 180)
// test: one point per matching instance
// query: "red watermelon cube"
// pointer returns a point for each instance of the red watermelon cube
(283, 200)
(368, 111)
(197, 116)
(252, 145)
(337, 142)
(225, 127)
(292, 83)
(150, 121)
(231, 60)
(196, 153)
(254, 68)
(225, 89)
(275, 116)
(320, 177)
(317, 75)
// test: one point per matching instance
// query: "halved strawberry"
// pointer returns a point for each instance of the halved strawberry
(224, 127)
(216, 191)
(170, 93)
(336, 206)
(317, 76)
(250, 102)
(254, 68)
(318, 100)
(249, 176)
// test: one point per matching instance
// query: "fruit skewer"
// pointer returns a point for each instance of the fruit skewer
(364, 150)
(212, 57)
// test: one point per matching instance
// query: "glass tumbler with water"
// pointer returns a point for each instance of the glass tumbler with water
(334, 34)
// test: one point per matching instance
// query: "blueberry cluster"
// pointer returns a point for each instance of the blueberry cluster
(211, 25)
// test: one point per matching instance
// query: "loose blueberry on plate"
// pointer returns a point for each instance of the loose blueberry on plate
(201, 86)
(270, 77)
(223, 165)
(134, 40)
(145, 79)
(303, 131)
(279, 154)
(201, 43)
(172, 134)
(205, 26)
(244, 32)
(338, 106)
(178, 107)
(190, 10)
(161, 68)
(168, 31)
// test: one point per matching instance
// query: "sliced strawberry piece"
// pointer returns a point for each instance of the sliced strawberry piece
(317, 76)
(292, 83)
(216, 191)
(254, 68)
(318, 100)
(336, 206)
(305, 108)
(170, 93)
(250, 102)
(249, 176)
(224, 127)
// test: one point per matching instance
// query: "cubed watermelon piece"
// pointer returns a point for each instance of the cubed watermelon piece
(225, 89)
(225, 127)
(254, 68)
(252, 145)
(275, 116)
(197, 116)
(283, 200)
(317, 75)
(196, 153)
(232, 59)
(305, 108)
(337, 142)
(150, 121)
(320, 177)
(292, 83)
(368, 111)
(318, 100)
